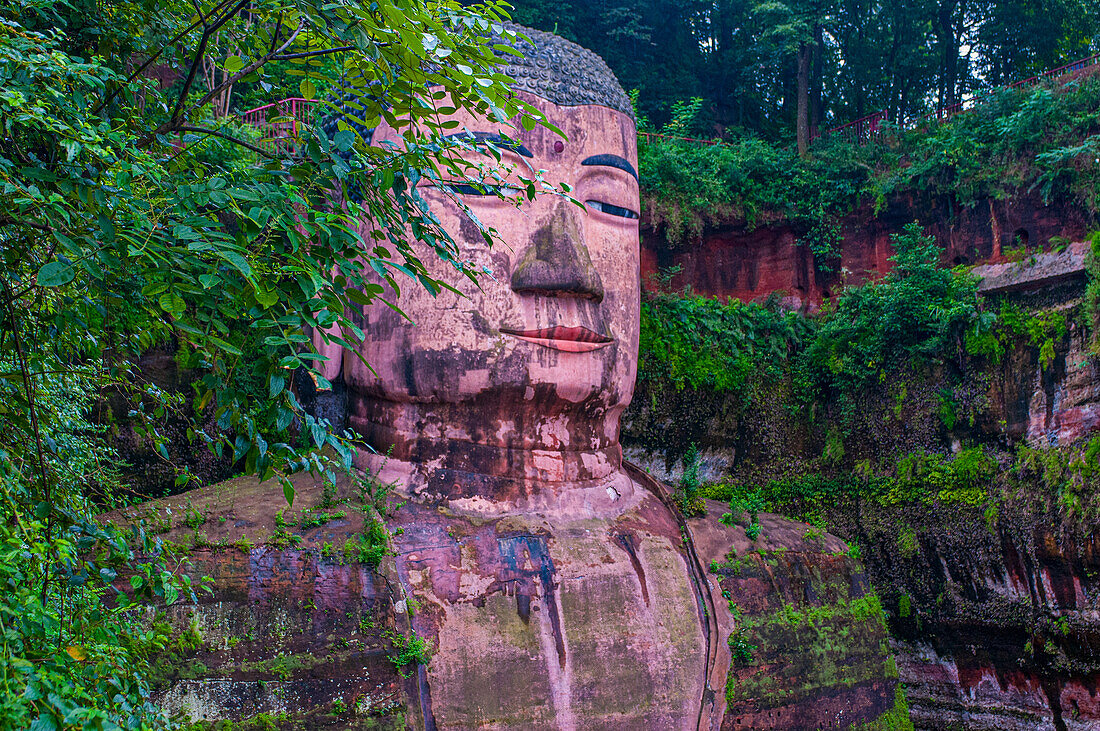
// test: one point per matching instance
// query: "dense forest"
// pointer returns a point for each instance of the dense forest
(751, 62)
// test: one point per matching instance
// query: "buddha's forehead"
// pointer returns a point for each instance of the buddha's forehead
(572, 133)
(590, 128)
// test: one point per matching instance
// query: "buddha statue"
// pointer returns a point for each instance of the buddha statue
(551, 578)
(558, 585)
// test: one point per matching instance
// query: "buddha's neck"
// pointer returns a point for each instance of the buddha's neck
(464, 450)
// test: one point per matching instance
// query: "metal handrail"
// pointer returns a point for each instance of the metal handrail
(280, 128)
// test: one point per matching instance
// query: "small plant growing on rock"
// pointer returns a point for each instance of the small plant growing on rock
(190, 640)
(371, 545)
(282, 538)
(753, 531)
(687, 493)
(411, 649)
(740, 648)
(193, 518)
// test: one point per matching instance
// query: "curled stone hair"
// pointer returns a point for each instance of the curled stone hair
(562, 72)
(552, 68)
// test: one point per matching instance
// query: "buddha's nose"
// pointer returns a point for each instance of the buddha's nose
(557, 263)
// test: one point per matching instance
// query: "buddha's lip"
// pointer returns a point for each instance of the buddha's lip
(568, 339)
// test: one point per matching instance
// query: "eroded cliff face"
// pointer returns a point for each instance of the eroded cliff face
(993, 606)
(300, 633)
(734, 261)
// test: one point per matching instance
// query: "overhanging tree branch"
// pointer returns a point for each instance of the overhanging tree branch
(230, 138)
(245, 71)
(310, 54)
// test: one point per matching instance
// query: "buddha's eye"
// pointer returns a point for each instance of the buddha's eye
(477, 189)
(612, 210)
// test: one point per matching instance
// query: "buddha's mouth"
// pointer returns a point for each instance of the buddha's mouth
(567, 339)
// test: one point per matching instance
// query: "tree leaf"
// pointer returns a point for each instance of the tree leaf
(55, 274)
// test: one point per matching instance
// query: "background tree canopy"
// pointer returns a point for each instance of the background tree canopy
(743, 57)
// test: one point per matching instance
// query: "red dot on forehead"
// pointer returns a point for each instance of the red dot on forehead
(559, 146)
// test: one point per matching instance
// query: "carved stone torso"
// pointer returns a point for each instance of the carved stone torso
(581, 613)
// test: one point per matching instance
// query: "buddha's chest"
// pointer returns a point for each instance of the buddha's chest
(586, 624)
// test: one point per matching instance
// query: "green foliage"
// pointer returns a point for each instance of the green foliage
(1041, 330)
(133, 215)
(741, 56)
(896, 719)
(700, 342)
(914, 316)
(1018, 140)
(686, 187)
(72, 648)
(916, 479)
(407, 650)
(740, 648)
(1092, 293)
(314, 519)
(1068, 475)
(687, 492)
(370, 546)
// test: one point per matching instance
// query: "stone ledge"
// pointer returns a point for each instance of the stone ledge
(1034, 272)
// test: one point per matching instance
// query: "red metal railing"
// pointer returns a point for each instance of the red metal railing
(1069, 68)
(280, 122)
(946, 112)
(863, 129)
(650, 136)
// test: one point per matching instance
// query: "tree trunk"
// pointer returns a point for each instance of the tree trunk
(950, 47)
(817, 101)
(805, 51)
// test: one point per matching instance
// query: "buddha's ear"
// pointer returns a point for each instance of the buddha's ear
(331, 368)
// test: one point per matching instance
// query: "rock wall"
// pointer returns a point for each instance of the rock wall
(734, 261)
(994, 609)
(298, 633)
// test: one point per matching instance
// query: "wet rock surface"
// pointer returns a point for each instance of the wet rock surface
(735, 261)
(538, 621)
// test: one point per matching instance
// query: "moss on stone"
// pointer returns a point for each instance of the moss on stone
(803, 649)
(896, 719)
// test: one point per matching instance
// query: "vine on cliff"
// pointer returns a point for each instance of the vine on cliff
(1042, 138)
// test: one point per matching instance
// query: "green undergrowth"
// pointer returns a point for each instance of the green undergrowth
(918, 314)
(340, 714)
(1061, 479)
(920, 326)
(896, 719)
(1019, 140)
(840, 644)
(919, 478)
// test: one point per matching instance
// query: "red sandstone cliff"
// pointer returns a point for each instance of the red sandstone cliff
(733, 261)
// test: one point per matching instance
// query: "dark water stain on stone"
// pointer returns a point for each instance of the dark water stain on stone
(525, 558)
(626, 541)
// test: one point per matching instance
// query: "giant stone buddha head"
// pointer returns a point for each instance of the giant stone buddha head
(521, 381)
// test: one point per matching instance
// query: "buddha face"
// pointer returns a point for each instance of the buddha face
(551, 335)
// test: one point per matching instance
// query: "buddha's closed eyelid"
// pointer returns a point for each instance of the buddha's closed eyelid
(612, 209)
(476, 188)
